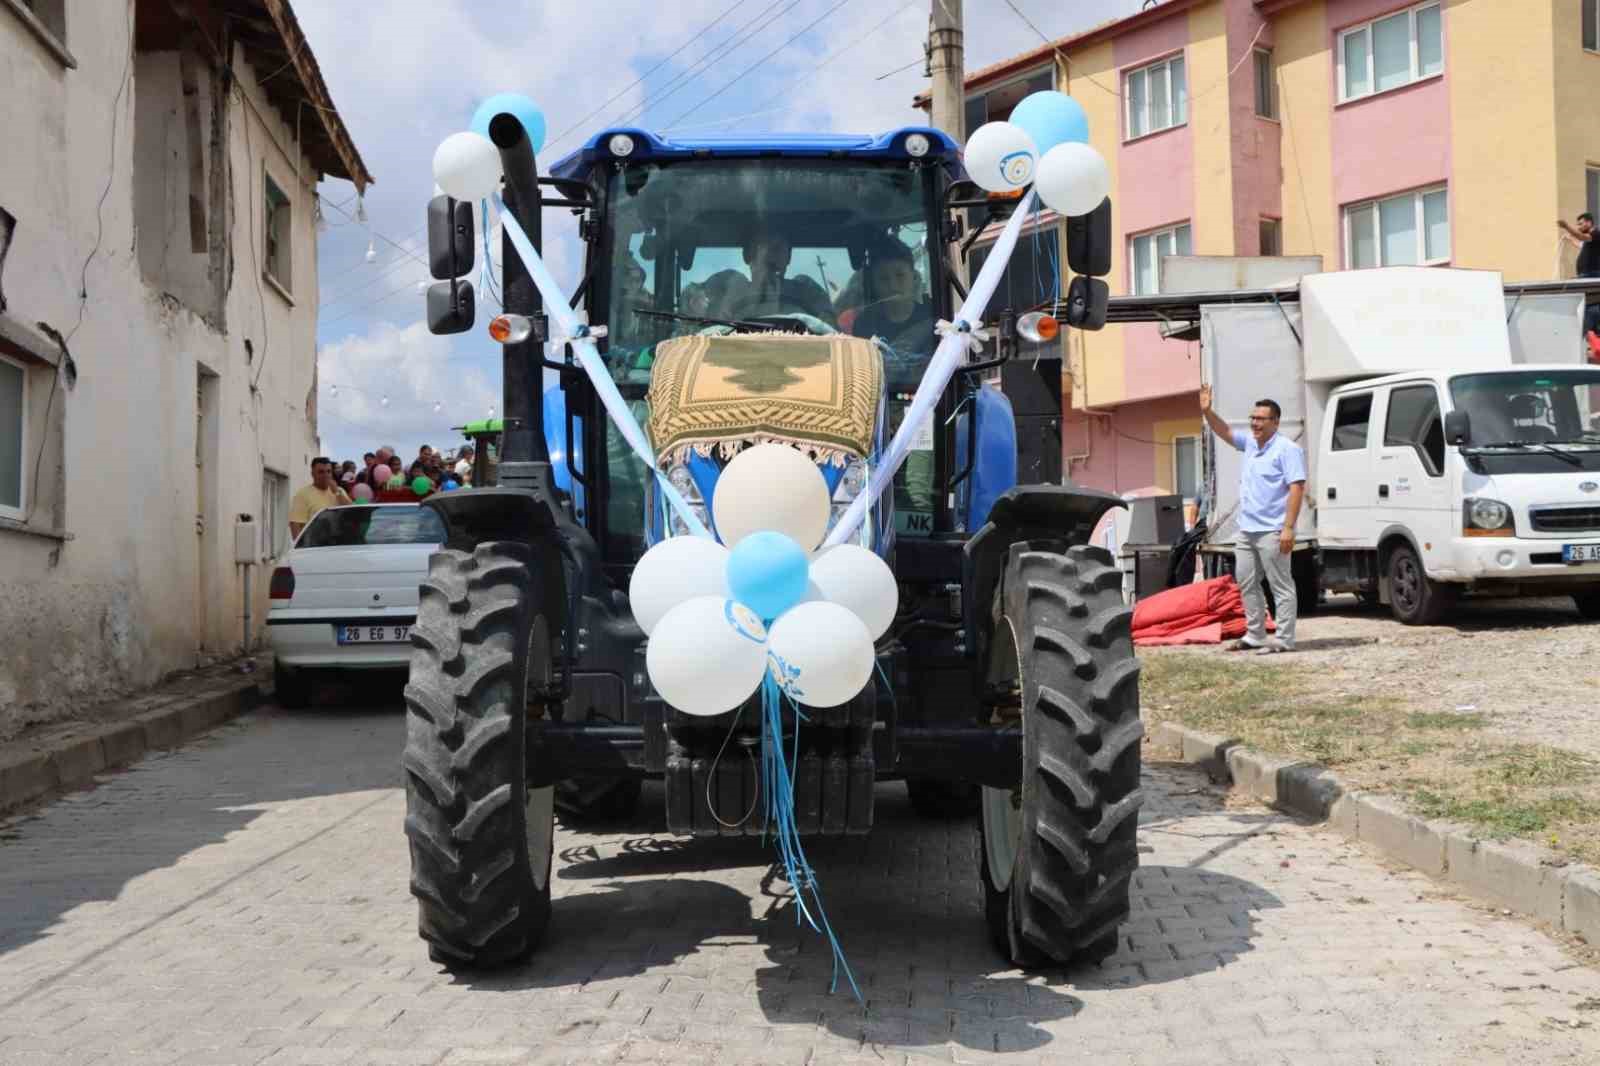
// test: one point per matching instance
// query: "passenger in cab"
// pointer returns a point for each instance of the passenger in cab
(896, 309)
(767, 253)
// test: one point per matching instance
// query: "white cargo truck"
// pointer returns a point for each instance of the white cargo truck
(1451, 429)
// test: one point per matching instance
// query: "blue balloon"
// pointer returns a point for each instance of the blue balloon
(1051, 118)
(768, 573)
(448, 485)
(526, 110)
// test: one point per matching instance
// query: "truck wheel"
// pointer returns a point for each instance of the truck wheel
(481, 837)
(289, 687)
(1416, 599)
(1588, 604)
(1058, 854)
(942, 801)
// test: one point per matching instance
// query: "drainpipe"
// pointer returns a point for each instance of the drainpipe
(247, 608)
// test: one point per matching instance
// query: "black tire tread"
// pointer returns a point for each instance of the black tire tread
(1081, 792)
(478, 902)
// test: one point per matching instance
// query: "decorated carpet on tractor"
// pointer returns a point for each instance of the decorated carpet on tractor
(719, 394)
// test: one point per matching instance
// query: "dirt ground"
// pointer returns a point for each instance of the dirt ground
(1531, 667)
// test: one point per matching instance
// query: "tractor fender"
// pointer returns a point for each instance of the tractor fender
(1060, 515)
(474, 516)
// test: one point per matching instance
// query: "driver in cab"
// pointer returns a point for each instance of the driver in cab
(772, 292)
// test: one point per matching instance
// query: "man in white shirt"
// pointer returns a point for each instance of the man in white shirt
(463, 465)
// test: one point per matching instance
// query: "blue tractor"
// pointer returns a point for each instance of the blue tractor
(776, 288)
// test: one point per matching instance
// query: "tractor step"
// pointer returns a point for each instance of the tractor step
(833, 793)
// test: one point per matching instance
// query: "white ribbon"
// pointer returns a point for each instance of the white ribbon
(595, 332)
(947, 359)
(975, 335)
(581, 337)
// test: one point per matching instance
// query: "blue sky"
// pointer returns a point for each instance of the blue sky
(406, 78)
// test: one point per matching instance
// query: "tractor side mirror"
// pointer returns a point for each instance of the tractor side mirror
(450, 237)
(452, 305)
(1089, 241)
(1458, 428)
(1086, 303)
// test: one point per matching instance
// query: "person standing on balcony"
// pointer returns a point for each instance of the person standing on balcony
(1272, 485)
(1588, 241)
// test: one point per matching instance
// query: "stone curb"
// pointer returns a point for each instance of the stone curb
(1508, 874)
(70, 763)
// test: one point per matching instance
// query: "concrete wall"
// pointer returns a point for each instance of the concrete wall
(1129, 449)
(1095, 360)
(138, 593)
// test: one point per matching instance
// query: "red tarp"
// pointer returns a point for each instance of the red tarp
(1206, 612)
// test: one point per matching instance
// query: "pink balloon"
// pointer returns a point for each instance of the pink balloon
(362, 492)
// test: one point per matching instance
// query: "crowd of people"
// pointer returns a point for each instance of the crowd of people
(384, 477)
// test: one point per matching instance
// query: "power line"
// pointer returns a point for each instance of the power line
(641, 78)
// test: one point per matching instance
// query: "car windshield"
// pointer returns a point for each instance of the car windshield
(1534, 406)
(354, 527)
(830, 246)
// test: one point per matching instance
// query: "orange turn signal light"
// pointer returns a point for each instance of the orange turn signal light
(510, 329)
(1036, 327)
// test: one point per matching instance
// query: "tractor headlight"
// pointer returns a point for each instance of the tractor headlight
(1486, 518)
(917, 145)
(851, 484)
(621, 145)
(683, 481)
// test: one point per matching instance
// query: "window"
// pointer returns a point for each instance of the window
(47, 19)
(997, 102)
(274, 512)
(1266, 91)
(347, 527)
(1271, 236)
(1390, 52)
(1158, 97)
(1186, 466)
(1029, 278)
(1407, 230)
(1592, 187)
(1350, 421)
(1144, 257)
(1413, 421)
(278, 216)
(13, 437)
(1591, 25)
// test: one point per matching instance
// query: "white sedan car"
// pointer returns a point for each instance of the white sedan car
(345, 597)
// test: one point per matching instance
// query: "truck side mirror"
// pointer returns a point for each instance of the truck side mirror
(1457, 428)
(1089, 241)
(450, 237)
(452, 305)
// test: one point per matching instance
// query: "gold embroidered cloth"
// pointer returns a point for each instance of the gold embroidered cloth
(818, 394)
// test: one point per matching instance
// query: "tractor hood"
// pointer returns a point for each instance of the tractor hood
(712, 396)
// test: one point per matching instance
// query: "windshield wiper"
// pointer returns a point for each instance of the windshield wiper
(731, 323)
(1543, 446)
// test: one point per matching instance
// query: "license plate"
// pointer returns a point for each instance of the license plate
(1580, 553)
(374, 634)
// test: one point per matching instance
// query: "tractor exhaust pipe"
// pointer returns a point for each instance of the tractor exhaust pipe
(524, 456)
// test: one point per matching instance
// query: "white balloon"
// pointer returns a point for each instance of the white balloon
(771, 486)
(854, 577)
(675, 570)
(1000, 157)
(1072, 179)
(707, 655)
(822, 653)
(467, 166)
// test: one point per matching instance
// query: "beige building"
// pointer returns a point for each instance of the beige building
(158, 307)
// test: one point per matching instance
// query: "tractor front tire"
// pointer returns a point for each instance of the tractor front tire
(1058, 854)
(481, 838)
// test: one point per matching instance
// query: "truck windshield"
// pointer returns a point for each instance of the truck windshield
(1535, 406)
(357, 527)
(835, 246)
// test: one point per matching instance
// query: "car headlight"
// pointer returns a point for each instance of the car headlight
(683, 481)
(1486, 518)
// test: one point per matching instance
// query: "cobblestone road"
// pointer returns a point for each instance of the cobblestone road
(244, 901)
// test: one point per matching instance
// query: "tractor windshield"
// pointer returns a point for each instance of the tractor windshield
(824, 245)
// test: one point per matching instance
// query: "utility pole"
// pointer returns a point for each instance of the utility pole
(947, 68)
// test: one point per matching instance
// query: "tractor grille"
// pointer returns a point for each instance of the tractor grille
(1565, 519)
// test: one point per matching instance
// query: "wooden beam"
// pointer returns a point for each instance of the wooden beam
(317, 91)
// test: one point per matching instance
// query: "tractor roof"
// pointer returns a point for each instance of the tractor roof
(649, 146)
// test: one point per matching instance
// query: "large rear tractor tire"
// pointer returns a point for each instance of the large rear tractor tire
(1058, 854)
(481, 837)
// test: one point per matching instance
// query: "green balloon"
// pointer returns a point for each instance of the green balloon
(421, 485)
(397, 482)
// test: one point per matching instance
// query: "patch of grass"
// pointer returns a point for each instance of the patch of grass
(1444, 763)
(1446, 720)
